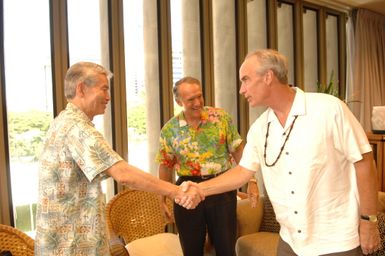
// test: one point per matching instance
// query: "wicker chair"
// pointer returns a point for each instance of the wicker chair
(15, 241)
(133, 215)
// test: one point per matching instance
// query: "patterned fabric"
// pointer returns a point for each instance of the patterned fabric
(381, 227)
(202, 151)
(71, 207)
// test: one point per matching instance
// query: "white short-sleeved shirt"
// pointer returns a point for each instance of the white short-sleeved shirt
(313, 186)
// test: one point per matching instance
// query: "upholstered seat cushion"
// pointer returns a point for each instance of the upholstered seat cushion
(257, 244)
(164, 244)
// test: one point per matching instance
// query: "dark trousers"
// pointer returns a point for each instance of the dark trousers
(216, 215)
(284, 249)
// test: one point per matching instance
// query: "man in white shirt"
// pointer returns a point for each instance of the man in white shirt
(316, 163)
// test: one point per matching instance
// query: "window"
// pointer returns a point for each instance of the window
(185, 38)
(88, 42)
(286, 36)
(332, 51)
(310, 44)
(28, 100)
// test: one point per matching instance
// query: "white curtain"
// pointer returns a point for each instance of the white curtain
(368, 65)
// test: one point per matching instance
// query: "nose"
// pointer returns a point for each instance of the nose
(197, 102)
(242, 90)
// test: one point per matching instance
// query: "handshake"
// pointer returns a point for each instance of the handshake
(189, 195)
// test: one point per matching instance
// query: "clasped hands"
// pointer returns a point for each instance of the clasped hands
(189, 195)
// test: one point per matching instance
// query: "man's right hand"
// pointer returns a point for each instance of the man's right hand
(190, 195)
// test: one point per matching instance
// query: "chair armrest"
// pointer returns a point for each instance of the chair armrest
(249, 219)
(117, 247)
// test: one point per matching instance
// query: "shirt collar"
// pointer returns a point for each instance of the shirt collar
(297, 109)
(204, 117)
(75, 109)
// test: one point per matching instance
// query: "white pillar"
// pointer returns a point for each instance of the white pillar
(225, 77)
(191, 39)
(151, 81)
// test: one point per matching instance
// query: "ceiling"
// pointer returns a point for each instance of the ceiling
(372, 5)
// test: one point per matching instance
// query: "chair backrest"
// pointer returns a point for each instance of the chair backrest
(15, 241)
(133, 214)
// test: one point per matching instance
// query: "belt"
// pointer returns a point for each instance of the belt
(202, 177)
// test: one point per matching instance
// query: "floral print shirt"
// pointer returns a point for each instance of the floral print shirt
(71, 206)
(202, 151)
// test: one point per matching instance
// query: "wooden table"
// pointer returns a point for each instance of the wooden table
(377, 141)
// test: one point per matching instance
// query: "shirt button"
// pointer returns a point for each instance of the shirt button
(292, 192)
(295, 212)
(287, 153)
(290, 173)
(299, 231)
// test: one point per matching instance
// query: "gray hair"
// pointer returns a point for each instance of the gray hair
(83, 72)
(271, 60)
(186, 79)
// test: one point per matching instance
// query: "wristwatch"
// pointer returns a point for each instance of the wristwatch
(371, 218)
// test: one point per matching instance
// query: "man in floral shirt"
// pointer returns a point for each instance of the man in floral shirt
(70, 211)
(198, 144)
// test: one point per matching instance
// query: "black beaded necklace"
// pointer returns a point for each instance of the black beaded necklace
(283, 146)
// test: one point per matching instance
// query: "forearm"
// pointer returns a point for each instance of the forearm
(367, 184)
(165, 174)
(137, 179)
(230, 180)
(237, 155)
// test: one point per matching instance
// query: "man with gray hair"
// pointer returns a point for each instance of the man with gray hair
(316, 162)
(70, 216)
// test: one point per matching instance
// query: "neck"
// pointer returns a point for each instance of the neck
(81, 106)
(283, 102)
(192, 120)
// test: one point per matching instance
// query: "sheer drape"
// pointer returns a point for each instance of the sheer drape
(369, 64)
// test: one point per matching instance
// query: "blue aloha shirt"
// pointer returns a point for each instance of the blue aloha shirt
(70, 214)
(202, 151)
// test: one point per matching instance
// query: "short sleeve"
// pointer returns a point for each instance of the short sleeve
(250, 156)
(165, 155)
(233, 137)
(90, 150)
(349, 136)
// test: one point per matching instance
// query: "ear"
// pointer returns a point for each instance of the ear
(269, 76)
(179, 103)
(80, 89)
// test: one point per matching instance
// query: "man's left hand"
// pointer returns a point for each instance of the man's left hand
(369, 237)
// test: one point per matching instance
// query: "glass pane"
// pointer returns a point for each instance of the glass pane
(185, 36)
(87, 38)
(142, 82)
(28, 83)
(84, 36)
(332, 48)
(286, 36)
(310, 45)
(177, 45)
